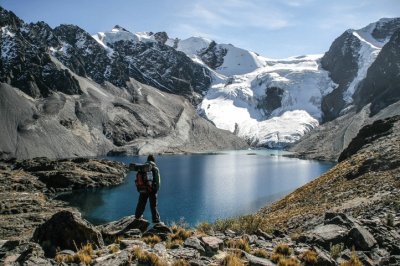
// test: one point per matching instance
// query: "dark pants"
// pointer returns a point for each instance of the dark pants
(141, 205)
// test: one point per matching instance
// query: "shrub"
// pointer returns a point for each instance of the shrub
(83, 255)
(354, 260)
(243, 224)
(180, 263)
(180, 233)
(147, 258)
(240, 243)
(310, 257)
(151, 240)
(114, 248)
(335, 250)
(232, 260)
(289, 262)
(171, 244)
(262, 253)
(275, 257)
(204, 227)
(283, 249)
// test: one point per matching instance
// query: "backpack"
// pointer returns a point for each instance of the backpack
(144, 179)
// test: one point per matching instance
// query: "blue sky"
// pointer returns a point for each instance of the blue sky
(273, 28)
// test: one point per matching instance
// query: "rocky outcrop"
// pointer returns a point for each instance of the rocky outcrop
(78, 173)
(330, 139)
(342, 63)
(381, 86)
(28, 188)
(213, 55)
(66, 230)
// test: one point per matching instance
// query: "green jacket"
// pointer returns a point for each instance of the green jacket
(156, 175)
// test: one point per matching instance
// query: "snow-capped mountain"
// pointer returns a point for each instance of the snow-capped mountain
(268, 102)
(348, 60)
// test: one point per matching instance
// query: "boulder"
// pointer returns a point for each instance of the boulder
(159, 229)
(194, 242)
(121, 258)
(256, 261)
(324, 258)
(184, 253)
(340, 219)
(65, 230)
(362, 239)
(212, 244)
(325, 235)
(263, 234)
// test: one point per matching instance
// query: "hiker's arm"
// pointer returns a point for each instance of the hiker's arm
(157, 178)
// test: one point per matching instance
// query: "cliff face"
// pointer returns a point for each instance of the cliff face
(381, 85)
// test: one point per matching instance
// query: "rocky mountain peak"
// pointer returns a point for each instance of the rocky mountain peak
(8, 18)
(119, 28)
(385, 28)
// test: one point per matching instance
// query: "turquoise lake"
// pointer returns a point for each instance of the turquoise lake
(203, 187)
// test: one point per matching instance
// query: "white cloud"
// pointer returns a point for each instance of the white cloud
(237, 14)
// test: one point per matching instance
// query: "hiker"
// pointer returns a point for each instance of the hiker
(148, 184)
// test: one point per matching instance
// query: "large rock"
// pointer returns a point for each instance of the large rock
(194, 242)
(212, 244)
(362, 239)
(326, 235)
(159, 229)
(65, 230)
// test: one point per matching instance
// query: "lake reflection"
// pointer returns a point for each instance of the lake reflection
(203, 187)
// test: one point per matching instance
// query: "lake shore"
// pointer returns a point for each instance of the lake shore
(354, 206)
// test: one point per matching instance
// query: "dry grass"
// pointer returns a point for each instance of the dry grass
(151, 240)
(240, 243)
(204, 227)
(147, 258)
(172, 244)
(83, 255)
(283, 249)
(335, 250)
(232, 260)
(310, 257)
(180, 233)
(354, 260)
(180, 263)
(261, 253)
(113, 248)
(289, 262)
(242, 224)
(275, 257)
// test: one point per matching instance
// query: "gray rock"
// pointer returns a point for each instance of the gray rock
(325, 235)
(66, 230)
(184, 253)
(158, 229)
(256, 261)
(194, 242)
(362, 239)
(324, 258)
(129, 244)
(212, 244)
(263, 234)
(121, 258)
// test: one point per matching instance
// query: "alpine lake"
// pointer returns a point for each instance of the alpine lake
(202, 187)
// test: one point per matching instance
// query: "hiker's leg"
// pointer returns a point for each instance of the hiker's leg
(153, 207)
(141, 205)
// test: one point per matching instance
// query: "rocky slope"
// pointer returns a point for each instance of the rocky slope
(329, 140)
(28, 188)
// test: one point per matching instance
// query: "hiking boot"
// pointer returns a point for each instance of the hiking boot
(141, 218)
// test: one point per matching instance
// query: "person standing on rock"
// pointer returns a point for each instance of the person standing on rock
(148, 183)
